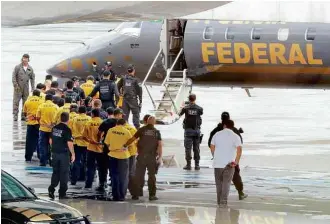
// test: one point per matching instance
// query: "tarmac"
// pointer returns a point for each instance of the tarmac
(284, 166)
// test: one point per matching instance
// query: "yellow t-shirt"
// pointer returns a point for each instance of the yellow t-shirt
(42, 95)
(31, 108)
(116, 139)
(65, 108)
(46, 112)
(78, 127)
(132, 148)
(72, 116)
(88, 88)
(90, 133)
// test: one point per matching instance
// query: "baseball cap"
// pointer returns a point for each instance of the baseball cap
(118, 111)
(225, 116)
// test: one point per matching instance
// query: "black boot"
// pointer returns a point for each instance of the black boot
(197, 165)
(188, 166)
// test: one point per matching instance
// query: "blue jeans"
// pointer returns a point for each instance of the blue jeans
(31, 144)
(119, 178)
(44, 150)
(78, 163)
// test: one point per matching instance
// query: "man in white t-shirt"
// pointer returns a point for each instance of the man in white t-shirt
(226, 148)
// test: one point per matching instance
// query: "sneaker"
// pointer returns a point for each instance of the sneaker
(51, 195)
(135, 198)
(153, 198)
(23, 118)
(187, 167)
(242, 196)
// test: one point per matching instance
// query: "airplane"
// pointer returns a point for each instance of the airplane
(244, 54)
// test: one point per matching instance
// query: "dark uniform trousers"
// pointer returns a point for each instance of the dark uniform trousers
(44, 148)
(107, 104)
(61, 167)
(192, 142)
(31, 144)
(131, 104)
(144, 162)
(131, 170)
(119, 177)
(94, 158)
(237, 180)
(79, 165)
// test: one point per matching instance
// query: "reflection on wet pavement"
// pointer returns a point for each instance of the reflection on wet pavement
(128, 212)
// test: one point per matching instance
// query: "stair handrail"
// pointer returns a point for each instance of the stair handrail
(180, 89)
(168, 71)
(151, 67)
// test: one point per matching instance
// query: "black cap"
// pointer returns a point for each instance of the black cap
(75, 78)
(225, 116)
(130, 68)
(110, 110)
(106, 73)
(118, 111)
(26, 56)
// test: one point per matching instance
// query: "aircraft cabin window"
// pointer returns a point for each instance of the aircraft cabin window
(255, 33)
(129, 28)
(283, 34)
(229, 34)
(208, 33)
(310, 34)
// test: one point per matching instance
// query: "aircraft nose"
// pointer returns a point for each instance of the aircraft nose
(59, 68)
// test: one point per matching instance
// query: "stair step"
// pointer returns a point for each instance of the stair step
(169, 91)
(164, 101)
(173, 83)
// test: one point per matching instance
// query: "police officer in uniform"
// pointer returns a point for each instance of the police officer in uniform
(192, 124)
(132, 92)
(107, 90)
(149, 156)
(22, 74)
(62, 145)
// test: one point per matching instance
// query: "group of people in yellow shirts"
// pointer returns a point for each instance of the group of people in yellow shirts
(98, 143)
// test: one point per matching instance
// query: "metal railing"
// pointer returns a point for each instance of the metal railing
(168, 71)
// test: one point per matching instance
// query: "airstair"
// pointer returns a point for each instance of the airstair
(176, 87)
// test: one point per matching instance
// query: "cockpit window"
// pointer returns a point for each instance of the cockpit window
(129, 29)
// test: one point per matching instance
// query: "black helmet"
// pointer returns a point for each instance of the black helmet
(225, 116)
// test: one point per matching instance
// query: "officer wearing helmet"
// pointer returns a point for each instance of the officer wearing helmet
(108, 91)
(22, 74)
(130, 86)
(192, 134)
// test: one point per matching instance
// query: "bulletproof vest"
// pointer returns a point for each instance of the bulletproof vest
(148, 142)
(73, 95)
(106, 90)
(129, 86)
(192, 118)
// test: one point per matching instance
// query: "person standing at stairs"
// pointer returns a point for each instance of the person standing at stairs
(192, 133)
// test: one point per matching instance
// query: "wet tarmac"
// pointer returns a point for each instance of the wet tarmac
(284, 166)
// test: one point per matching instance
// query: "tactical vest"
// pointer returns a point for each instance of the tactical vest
(192, 118)
(148, 142)
(129, 87)
(106, 90)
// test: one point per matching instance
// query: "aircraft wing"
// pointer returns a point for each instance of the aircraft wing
(33, 13)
